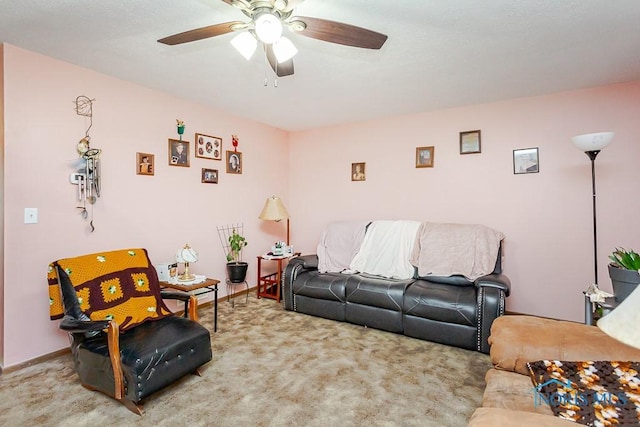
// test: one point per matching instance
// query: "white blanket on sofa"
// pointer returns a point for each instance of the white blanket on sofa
(447, 249)
(386, 249)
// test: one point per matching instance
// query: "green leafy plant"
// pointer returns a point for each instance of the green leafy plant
(236, 243)
(627, 259)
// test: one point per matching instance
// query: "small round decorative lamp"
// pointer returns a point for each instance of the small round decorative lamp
(186, 255)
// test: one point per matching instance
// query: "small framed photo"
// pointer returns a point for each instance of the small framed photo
(234, 162)
(208, 147)
(178, 153)
(144, 164)
(424, 157)
(357, 171)
(209, 176)
(470, 142)
(526, 160)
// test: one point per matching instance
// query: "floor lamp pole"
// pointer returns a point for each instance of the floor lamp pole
(592, 155)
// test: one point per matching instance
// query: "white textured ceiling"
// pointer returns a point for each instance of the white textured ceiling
(440, 53)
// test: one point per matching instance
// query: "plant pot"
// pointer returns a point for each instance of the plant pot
(237, 271)
(624, 281)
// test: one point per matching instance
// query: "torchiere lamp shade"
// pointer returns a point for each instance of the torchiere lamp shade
(593, 141)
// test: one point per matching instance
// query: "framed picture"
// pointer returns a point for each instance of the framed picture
(526, 160)
(144, 164)
(178, 153)
(470, 142)
(210, 176)
(357, 171)
(424, 157)
(234, 161)
(208, 147)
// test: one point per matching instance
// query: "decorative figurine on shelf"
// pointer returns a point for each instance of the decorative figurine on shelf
(180, 125)
(234, 141)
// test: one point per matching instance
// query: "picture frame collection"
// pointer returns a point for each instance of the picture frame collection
(525, 160)
(207, 147)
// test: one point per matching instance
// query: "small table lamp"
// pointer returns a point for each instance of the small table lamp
(274, 210)
(186, 255)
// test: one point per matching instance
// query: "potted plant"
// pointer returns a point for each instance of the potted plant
(236, 268)
(623, 271)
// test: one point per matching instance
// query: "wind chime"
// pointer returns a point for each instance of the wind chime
(87, 178)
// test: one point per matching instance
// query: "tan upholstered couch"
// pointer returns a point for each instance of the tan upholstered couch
(515, 340)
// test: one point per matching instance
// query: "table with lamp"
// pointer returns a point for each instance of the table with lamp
(194, 284)
(269, 285)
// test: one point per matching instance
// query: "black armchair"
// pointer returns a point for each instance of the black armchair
(145, 347)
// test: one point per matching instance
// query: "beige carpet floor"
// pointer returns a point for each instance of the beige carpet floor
(272, 367)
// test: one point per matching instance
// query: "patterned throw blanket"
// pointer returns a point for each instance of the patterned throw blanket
(118, 285)
(591, 393)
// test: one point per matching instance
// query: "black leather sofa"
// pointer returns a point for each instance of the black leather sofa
(449, 310)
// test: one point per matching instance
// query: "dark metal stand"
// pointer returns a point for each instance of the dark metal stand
(592, 155)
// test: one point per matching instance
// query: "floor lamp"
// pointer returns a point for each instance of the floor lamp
(591, 144)
(274, 210)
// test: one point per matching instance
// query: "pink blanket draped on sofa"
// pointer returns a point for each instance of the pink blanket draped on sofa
(339, 243)
(469, 250)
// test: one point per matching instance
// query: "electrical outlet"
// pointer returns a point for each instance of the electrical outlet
(30, 215)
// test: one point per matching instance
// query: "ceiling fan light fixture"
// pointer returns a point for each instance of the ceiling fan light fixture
(268, 28)
(284, 50)
(245, 43)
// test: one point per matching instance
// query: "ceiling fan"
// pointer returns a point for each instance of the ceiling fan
(268, 18)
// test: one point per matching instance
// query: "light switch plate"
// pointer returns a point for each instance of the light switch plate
(30, 215)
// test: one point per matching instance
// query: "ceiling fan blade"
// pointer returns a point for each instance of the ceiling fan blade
(283, 69)
(337, 32)
(200, 33)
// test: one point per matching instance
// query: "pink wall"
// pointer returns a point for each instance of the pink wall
(547, 217)
(1, 204)
(161, 213)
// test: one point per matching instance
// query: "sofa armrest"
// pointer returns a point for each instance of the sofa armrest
(309, 262)
(294, 267)
(498, 281)
(518, 339)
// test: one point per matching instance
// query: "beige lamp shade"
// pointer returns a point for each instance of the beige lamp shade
(623, 323)
(273, 210)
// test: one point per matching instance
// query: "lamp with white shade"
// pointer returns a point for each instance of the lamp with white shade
(591, 144)
(274, 210)
(186, 255)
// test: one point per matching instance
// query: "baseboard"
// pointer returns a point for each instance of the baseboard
(37, 360)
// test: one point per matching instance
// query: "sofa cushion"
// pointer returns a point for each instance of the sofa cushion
(518, 339)
(376, 291)
(494, 417)
(325, 286)
(444, 303)
(510, 390)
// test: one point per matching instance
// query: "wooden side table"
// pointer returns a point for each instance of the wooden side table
(269, 284)
(209, 285)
